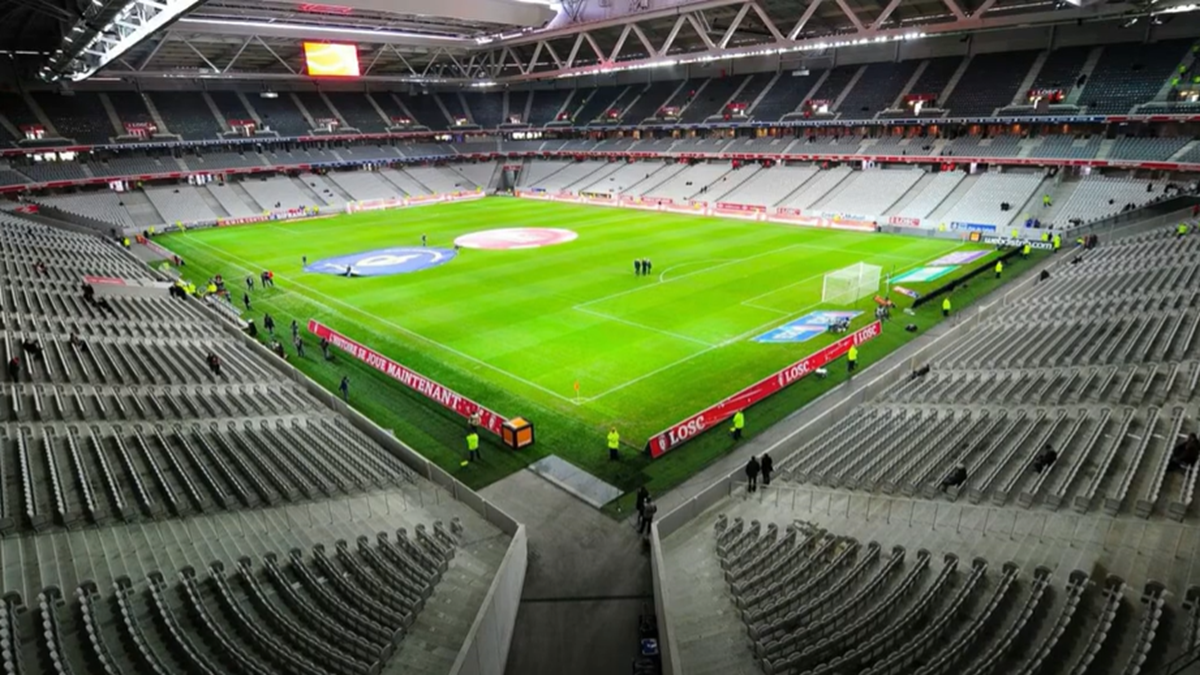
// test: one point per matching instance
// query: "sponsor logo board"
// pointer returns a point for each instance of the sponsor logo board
(906, 291)
(958, 258)
(805, 328)
(384, 261)
(444, 396)
(514, 238)
(1016, 243)
(977, 227)
(672, 437)
(923, 274)
(904, 222)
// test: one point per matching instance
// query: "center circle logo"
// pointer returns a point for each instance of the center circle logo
(512, 238)
(382, 262)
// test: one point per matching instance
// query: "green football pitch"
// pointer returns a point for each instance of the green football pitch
(516, 329)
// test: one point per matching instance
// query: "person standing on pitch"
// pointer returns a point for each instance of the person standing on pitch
(423, 239)
(768, 466)
(304, 261)
(344, 387)
(647, 265)
(246, 300)
(946, 306)
(472, 445)
(637, 267)
(999, 268)
(752, 469)
(739, 423)
(614, 445)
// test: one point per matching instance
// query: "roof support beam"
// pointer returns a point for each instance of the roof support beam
(887, 12)
(734, 25)
(766, 19)
(620, 42)
(595, 47)
(671, 37)
(553, 54)
(808, 13)
(954, 9)
(402, 59)
(537, 51)
(987, 4)
(854, 17)
(203, 57)
(700, 30)
(575, 49)
(641, 36)
(272, 51)
(238, 53)
(153, 52)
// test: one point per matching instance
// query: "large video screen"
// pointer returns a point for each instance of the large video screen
(331, 60)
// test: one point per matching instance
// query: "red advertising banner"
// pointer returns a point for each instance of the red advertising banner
(113, 281)
(730, 206)
(906, 222)
(447, 398)
(668, 439)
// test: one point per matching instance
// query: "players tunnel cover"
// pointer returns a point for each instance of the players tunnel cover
(384, 261)
(516, 238)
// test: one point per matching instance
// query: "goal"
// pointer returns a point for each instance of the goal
(845, 286)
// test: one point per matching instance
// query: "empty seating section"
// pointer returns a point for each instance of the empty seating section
(1062, 68)
(872, 192)
(268, 192)
(1147, 149)
(546, 104)
(426, 150)
(79, 116)
(573, 176)
(621, 180)
(368, 152)
(476, 174)
(292, 157)
(13, 107)
(1097, 197)
(644, 101)
(103, 206)
(754, 86)
(1067, 147)
(187, 115)
(229, 200)
(222, 160)
(453, 105)
(783, 97)
(711, 100)
(982, 204)
(936, 76)
(404, 182)
(517, 101)
(989, 82)
(10, 177)
(281, 116)
(126, 432)
(316, 106)
(389, 104)
(426, 110)
(43, 172)
(130, 107)
(440, 180)
(180, 203)
(768, 187)
(487, 109)
(131, 166)
(230, 107)
(876, 90)
(358, 112)
(1130, 73)
(362, 185)
(598, 102)
(932, 196)
(816, 189)
(688, 183)
(682, 95)
(833, 85)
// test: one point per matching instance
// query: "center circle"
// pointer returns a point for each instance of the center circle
(513, 238)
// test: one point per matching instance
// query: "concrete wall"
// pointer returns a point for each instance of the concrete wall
(485, 651)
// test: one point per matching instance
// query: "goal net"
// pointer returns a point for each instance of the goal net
(845, 286)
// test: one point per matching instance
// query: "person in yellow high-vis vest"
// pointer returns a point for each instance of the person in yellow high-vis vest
(472, 446)
(1056, 242)
(946, 306)
(999, 268)
(739, 423)
(614, 444)
(1026, 250)
(852, 359)
(1181, 230)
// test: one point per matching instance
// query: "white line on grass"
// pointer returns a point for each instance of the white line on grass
(398, 327)
(635, 324)
(737, 338)
(662, 276)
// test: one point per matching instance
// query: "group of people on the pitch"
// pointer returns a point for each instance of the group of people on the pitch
(642, 266)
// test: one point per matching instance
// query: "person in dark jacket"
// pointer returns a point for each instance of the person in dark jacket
(955, 478)
(752, 469)
(1044, 459)
(767, 466)
(1185, 454)
(648, 511)
(642, 496)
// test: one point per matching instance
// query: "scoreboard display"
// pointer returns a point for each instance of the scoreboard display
(324, 59)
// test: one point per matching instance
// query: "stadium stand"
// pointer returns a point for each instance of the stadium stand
(590, 106)
(358, 112)
(517, 103)
(453, 105)
(984, 203)
(367, 152)
(396, 584)
(688, 183)
(76, 116)
(934, 192)
(130, 107)
(404, 182)
(43, 172)
(546, 104)
(315, 105)
(427, 150)
(1096, 197)
(281, 116)
(103, 206)
(1146, 149)
(567, 176)
(290, 157)
(989, 82)
(876, 90)
(649, 100)
(180, 203)
(229, 105)
(439, 180)
(839, 78)
(1128, 74)
(1067, 147)
(13, 107)
(1061, 69)
(362, 185)
(871, 192)
(389, 104)
(187, 115)
(711, 100)
(935, 77)
(816, 189)
(487, 109)
(755, 85)
(425, 109)
(10, 177)
(783, 97)
(131, 166)
(222, 160)
(768, 187)
(229, 200)
(267, 192)
(477, 174)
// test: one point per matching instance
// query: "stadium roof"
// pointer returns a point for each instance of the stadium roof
(495, 41)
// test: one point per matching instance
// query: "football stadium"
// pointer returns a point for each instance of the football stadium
(685, 337)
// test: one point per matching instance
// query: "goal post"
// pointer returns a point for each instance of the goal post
(847, 285)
